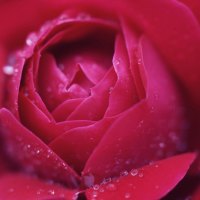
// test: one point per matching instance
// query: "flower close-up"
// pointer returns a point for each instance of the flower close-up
(99, 100)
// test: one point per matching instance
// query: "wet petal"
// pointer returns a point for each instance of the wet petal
(52, 82)
(123, 94)
(23, 187)
(152, 129)
(149, 182)
(32, 154)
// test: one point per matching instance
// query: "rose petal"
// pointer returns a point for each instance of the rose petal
(62, 111)
(123, 94)
(176, 33)
(150, 130)
(35, 120)
(194, 5)
(131, 42)
(76, 145)
(52, 85)
(149, 182)
(32, 154)
(94, 107)
(23, 187)
(13, 83)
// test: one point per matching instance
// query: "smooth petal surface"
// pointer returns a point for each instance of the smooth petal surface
(22, 187)
(194, 5)
(76, 145)
(149, 182)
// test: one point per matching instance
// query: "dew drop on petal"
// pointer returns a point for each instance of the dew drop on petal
(124, 173)
(127, 195)
(161, 144)
(96, 187)
(11, 190)
(111, 187)
(140, 174)
(51, 192)
(134, 172)
(31, 39)
(8, 70)
(106, 180)
(101, 190)
(63, 17)
(83, 16)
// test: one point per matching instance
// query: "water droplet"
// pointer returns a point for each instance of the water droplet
(52, 192)
(45, 27)
(139, 61)
(117, 62)
(124, 173)
(111, 187)
(127, 195)
(11, 190)
(8, 70)
(140, 174)
(38, 192)
(31, 39)
(101, 190)
(106, 180)
(134, 172)
(96, 187)
(95, 194)
(63, 17)
(110, 90)
(161, 144)
(83, 16)
(37, 151)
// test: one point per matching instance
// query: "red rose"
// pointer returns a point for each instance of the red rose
(100, 99)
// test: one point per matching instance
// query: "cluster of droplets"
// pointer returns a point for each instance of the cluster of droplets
(112, 184)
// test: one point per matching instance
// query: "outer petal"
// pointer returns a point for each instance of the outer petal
(150, 182)
(176, 33)
(23, 187)
(194, 5)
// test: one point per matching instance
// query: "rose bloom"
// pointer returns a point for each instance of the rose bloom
(99, 100)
